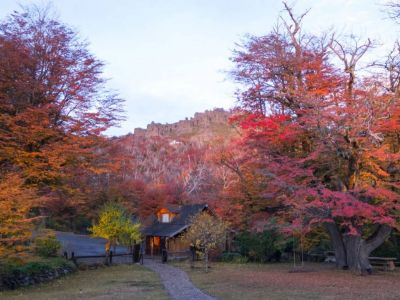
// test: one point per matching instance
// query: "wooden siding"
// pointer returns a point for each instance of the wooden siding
(177, 245)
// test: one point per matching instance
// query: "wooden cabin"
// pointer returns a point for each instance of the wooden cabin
(166, 227)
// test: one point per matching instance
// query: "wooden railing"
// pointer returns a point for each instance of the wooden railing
(106, 258)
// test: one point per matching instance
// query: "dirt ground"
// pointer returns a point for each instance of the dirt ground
(276, 281)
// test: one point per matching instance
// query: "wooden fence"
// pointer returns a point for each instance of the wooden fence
(125, 258)
(179, 255)
(105, 259)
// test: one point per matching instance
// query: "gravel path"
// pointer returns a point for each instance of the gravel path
(176, 282)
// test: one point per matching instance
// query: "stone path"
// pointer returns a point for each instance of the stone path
(176, 282)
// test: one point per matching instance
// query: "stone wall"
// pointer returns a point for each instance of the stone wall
(19, 279)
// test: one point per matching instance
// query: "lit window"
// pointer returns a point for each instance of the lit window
(165, 218)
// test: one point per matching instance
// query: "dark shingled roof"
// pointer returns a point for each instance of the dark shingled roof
(178, 224)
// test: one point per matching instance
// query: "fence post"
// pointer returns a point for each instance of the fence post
(164, 256)
(111, 255)
(141, 252)
(193, 255)
(73, 258)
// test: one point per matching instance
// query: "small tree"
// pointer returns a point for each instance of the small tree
(130, 234)
(116, 226)
(206, 233)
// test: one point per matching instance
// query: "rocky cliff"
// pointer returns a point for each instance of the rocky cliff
(201, 127)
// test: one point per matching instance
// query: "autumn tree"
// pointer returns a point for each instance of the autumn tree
(116, 226)
(16, 221)
(205, 233)
(54, 107)
(149, 172)
(323, 137)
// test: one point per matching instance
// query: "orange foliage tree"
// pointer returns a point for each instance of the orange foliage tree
(53, 109)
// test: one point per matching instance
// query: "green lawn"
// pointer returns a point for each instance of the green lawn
(274, 281)
(116, 282)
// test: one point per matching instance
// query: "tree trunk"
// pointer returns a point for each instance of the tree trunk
(206, 259)
(352, 251)
(338, 245)
(357, 254)
(107, 248)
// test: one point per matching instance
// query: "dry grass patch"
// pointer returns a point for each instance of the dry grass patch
(274, 281)
(116, 282)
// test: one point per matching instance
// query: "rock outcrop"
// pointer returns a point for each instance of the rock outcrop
(201, 126)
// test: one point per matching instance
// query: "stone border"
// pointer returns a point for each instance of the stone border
(19, 279)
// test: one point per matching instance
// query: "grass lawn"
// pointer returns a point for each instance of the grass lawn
(274, 281)
(116, 282)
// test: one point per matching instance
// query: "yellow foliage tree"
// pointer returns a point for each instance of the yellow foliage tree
(116, 226)
(206, 232)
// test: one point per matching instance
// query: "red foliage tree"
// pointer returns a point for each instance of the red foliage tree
(325, 140)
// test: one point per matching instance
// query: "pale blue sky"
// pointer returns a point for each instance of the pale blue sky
(168, 59)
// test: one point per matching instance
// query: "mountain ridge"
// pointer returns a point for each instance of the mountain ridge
(202, 126)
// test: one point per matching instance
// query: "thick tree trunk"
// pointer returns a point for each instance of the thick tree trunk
(352, 251)
(357, 254)
(338, 245)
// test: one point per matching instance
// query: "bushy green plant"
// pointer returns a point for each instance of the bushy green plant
(261, 246)
(34, 267)
(234, 257)
(390, 248)
(47, 247)
(229, 256)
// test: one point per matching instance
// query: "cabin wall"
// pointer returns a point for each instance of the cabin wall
(153, 244)
(177, 244)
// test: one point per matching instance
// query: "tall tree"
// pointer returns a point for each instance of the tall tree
(53, 109)
(322, 137)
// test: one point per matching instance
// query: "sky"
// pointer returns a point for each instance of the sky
(170, 58)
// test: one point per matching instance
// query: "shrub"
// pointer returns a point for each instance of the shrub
(390, 248)
(234, 257)
(229, 256)
(34, 267)
(261, 246)
(13, 275)
(47, 247)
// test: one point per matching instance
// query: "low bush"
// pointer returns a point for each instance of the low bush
(33, 267)
(47, 247)
(234, 257)
(261, 246)
(14, 275)
(390, 248)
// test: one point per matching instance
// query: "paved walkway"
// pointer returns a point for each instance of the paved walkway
(176, 282)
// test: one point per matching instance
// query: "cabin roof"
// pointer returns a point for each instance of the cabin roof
(179, 223)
